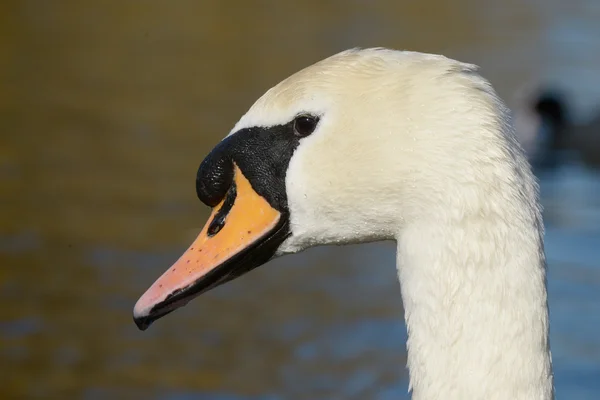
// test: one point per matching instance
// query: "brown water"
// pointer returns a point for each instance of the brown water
(106, 110)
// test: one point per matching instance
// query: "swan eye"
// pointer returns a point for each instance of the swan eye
(304, 125)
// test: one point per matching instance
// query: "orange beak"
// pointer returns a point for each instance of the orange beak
(242, 233)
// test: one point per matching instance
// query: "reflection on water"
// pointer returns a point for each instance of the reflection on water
(106, 112)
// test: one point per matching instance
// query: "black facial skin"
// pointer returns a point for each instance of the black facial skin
(263, 155)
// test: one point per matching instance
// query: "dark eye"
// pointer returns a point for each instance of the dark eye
(304, 125)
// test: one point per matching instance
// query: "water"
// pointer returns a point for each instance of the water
(106, 112)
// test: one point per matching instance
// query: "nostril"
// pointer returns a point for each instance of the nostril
(218, 221)
(216, 225)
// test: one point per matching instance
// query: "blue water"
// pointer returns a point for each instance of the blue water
(573, 250)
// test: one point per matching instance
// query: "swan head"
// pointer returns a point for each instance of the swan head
(351, 149)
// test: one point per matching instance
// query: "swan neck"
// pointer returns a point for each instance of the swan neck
(475, 300)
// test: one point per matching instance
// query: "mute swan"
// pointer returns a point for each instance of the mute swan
(379, 144)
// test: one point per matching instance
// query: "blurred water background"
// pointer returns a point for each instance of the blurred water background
(106, 110)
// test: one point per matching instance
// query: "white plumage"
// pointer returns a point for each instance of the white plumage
(418, 148)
